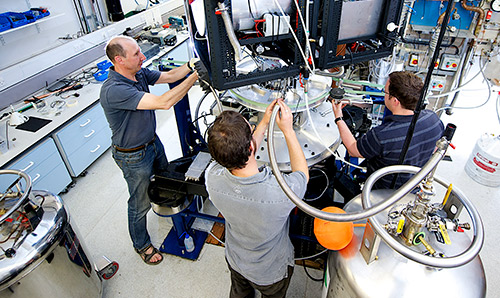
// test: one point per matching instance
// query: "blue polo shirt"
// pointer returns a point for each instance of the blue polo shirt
(382, 145)
(119, 99)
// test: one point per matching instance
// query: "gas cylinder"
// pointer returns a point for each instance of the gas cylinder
(393, 275)
(483, 164)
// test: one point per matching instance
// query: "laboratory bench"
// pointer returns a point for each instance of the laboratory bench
(77, 134)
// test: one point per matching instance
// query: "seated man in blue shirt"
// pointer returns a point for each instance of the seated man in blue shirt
(382, 145)
(259, 252)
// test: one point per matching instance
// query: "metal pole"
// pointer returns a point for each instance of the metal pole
(427, 81)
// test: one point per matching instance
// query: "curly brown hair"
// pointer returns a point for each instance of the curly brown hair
(229, 140)
(406, 87)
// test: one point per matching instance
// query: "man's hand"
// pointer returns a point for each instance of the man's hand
(284, 117)
(285, 122)
(269, 111)
(202, 71)
(337, 108)
(192, 62)
(203, 76)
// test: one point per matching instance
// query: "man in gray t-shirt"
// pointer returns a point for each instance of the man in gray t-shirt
(258, 249)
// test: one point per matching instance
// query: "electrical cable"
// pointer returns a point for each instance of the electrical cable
(487, 100)
(459, 88)
(250, 9)
(316, 132)
(199, 38)
(11, 233)
(324, 190)
(308, 275)
(310, 257)
(215, 237)
(197, 110)
(195, 121)
(294, 36)
(219, 104)
(306, 30)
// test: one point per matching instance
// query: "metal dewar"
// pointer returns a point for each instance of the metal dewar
(393, 275)
(49, 261)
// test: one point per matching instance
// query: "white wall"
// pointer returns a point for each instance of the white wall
(29, 40)
(38, 62)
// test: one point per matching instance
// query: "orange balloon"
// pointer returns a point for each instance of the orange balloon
(333, 235)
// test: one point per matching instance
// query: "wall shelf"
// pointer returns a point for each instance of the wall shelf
(47, 18)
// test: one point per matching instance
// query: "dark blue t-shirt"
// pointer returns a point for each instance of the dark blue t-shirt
(119, 99)
(382, 145)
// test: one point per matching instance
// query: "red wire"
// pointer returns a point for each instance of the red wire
(257, 29)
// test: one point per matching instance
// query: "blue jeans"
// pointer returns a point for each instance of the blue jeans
(137, 168)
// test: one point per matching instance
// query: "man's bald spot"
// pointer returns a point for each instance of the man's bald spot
(115, 46)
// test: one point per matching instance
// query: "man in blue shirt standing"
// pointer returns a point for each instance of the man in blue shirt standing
(258, 251)
(382, 145)
(130, 111)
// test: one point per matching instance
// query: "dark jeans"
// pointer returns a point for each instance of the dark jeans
(137, 168)
(243, 288)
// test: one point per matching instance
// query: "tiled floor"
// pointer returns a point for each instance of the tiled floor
(97, 205)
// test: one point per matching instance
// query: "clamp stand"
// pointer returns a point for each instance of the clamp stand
(174, 242)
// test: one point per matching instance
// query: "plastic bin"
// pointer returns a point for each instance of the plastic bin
(4, 23)
(101, 75)
(103, 65)
(30, 16)
(16, 19)
(40, 12)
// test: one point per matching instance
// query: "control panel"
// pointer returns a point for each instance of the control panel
(449, 62)
(413, 60)
(437, 83)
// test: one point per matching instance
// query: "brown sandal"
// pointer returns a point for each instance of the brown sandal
(147, 257)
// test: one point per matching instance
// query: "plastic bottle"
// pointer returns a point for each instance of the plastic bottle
(188, 242)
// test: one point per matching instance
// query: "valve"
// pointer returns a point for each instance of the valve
(419, 238)
(336, 94)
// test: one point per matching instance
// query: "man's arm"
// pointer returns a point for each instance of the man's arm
(285, 123)
(348, 139)
(168, 99)
(173, 75)
(260, 130)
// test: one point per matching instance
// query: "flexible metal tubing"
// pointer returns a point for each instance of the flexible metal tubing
(445, 262)
(355, 216)
(24, 197)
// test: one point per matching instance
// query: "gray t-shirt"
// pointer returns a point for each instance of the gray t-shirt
(119, 99)
(256, 211)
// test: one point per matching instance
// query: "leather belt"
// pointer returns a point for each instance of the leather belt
(128, 150)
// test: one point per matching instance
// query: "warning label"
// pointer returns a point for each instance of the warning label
(483, 166)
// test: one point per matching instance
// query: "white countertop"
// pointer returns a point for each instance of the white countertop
(22, 140)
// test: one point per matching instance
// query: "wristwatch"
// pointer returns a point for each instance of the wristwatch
(338, 119)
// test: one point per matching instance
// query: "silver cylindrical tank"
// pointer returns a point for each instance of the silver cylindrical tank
(50, 261)
(392, 275)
